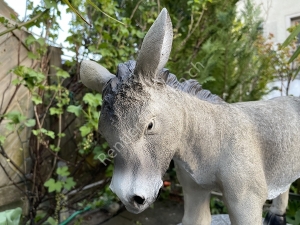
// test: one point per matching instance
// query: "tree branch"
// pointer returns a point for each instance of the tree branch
(17, 26)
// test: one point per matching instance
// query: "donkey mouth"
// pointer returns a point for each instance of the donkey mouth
(135, 207)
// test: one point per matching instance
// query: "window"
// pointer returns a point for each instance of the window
(295, 21)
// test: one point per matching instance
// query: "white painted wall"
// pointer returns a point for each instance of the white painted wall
(277, 16)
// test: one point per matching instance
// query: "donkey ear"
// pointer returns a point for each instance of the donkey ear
(156, 47)
(93, 75)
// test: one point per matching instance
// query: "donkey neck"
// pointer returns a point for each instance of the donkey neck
(200, 140)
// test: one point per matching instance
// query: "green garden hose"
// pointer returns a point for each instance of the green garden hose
(74, 215)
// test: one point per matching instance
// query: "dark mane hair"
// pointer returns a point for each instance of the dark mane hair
(124, 85)
(193, 88)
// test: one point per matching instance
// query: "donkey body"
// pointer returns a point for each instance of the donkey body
(248, 151)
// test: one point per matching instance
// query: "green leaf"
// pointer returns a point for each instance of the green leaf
(62, 73)
(53, 186)
(52, 221)
(10, 126)
(50, 134)
(2, 19)
(41, 41)
(295, 55)
(36, 99)
(50, 4)
(31, 55)
(92, 100)
(15, 117)
(61, 135)
(2, 139)
(85, 130)
(75, 109)
(54, 111)
(297, 218)
(16, 81)
(36, 132)
(30, 123)
(291, 37)
(69, 183)
(140, 34)
(54, 148)
(30, 39)
(63, 171)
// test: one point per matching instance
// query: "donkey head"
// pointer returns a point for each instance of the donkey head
(137, 117)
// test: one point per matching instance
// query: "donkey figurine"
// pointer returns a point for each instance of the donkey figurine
(249, 151)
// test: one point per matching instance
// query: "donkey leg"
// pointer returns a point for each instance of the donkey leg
(245, 209)
(276, 214)
(196, 200)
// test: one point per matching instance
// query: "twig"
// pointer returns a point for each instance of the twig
(135, 8)
(17, 26)
(48, 106)
(76, 12)
(3, 94)
(58, 141)
(194, 28)
(10, 101)
(63, 160)
(3, 153)
(95, 6)
(49, 213)
(17, 186)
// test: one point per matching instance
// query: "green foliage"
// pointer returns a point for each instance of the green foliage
(91, 115)
(28, 77)
(104, 198)
(75, 109)
(2, 139)
(52, 221)
(41, 131)
(16, 120)
(15, 117)
(217, 206)
(236, 57)
(63, 171)
(293, 212)
(64, 181)
(290, 39)
(53, 185)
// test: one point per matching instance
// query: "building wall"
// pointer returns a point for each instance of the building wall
(277, 16)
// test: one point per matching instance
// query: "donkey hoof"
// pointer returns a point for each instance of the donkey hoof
(273, 219)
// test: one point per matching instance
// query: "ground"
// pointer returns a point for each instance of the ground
(163, 212)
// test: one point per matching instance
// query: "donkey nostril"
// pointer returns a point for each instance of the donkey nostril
(139, 200)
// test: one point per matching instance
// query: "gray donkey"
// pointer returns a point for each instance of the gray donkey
(249, 151)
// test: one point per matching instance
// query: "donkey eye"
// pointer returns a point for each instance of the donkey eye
(150, 125)
(149, 129)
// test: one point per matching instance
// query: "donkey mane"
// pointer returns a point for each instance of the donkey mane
(124, 82)
(191, 87)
